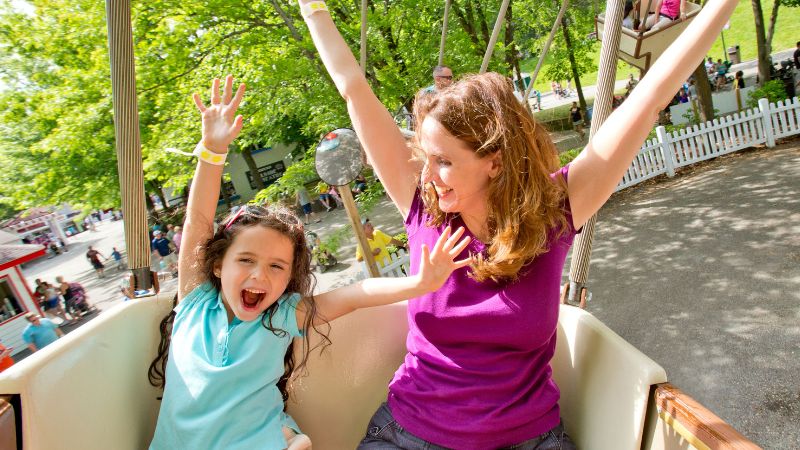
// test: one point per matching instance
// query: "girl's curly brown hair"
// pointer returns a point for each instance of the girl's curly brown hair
(525, 205)
(302, 282)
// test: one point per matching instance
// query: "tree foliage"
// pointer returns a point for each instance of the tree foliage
(57, 116)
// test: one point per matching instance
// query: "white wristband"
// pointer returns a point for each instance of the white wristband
(307, 9)
(206, 155)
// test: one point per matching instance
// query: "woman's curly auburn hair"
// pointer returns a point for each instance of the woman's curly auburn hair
(525, 206)
(302, 282)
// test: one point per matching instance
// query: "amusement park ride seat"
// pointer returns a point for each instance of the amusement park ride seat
(641, 49)
(89, 390)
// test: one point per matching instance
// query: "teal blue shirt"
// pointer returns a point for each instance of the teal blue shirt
(221, 390)
(41, 336)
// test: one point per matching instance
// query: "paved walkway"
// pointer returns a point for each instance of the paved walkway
(702, 274)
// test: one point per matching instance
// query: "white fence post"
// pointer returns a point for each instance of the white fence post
(766, 117)
(666, 150)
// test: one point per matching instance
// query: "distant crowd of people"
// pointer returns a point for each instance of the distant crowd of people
(63, 299)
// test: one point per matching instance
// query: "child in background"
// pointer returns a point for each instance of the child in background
(244, 292)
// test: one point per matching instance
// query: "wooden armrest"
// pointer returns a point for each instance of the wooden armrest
(8, 424)
(696, 423)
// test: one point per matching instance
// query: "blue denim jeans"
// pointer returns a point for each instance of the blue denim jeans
(384, 433)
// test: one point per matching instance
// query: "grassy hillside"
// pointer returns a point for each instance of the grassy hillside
(741, 32)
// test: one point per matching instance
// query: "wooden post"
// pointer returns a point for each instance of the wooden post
(355, 222)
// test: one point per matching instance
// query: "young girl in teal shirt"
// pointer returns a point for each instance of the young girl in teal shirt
(244, 293)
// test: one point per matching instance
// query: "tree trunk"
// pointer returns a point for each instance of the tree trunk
(163, 198)
(761, 41)
(251, 164)
(773, 18)
(159, 192)
(511, 47)
(151, 208)
(575, 75)
(703, 89)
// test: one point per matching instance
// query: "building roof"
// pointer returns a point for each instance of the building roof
(14, 255)
(8, 238)
(27, 216)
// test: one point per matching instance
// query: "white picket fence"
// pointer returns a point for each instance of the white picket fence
(690, 145)
(397, 267)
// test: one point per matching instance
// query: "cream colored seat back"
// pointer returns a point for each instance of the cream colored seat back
(605, 382)
(90, 390)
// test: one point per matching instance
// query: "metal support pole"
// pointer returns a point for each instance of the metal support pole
(445, 20)
(126, 129)
(543, 53)
(364, 35)
(344, 191)
(582, 248)
(501, 15)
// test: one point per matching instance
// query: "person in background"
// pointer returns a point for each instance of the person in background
(722, 71)
(40, 332)
(117, 257)
(163, 252)
(683, 96)
(378, 240)
(360, 184)
(176, 239)
(304, 201)
(442, 77)
(577, 119)
(796, 56)
(739, 79)
(668, 12)
(711, 68)
(325, 196)
(170, 231)
(6, 360)
(94, 258)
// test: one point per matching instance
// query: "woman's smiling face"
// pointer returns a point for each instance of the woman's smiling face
(459, 175)
(255, 271)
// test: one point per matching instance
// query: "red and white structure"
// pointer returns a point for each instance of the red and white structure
(16, 298)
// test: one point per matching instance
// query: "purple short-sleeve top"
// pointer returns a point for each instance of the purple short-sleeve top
(477, 373)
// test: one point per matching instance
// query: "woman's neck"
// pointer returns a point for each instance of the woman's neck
(476, 222)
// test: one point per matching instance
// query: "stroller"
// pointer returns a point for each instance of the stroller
(75, 301)
(320, 258)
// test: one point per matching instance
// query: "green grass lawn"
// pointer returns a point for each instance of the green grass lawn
(741, 32)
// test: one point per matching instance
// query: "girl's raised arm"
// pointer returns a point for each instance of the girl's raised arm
(598, 169)
(220, 128)
(380, 136)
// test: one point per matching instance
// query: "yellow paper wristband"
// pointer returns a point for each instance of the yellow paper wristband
(311, 7)
(206, 155)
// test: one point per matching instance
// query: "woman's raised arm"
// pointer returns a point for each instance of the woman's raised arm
(598, 169)
(385, 145)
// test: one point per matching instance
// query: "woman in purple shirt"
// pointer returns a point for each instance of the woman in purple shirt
(477, 373)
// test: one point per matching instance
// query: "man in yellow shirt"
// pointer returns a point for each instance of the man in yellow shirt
(378, 240)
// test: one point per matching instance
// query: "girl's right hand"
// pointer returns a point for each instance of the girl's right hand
(220, 123)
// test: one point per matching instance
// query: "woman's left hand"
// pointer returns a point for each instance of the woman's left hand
(436, 265)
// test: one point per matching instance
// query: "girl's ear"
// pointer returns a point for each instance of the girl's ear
(496, 164)
(218, 270)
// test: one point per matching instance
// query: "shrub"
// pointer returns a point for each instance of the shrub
(771, 90)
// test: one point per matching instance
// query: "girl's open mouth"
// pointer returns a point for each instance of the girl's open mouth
(251, 298)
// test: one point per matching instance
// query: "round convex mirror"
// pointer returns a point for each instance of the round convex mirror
(338, 158)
